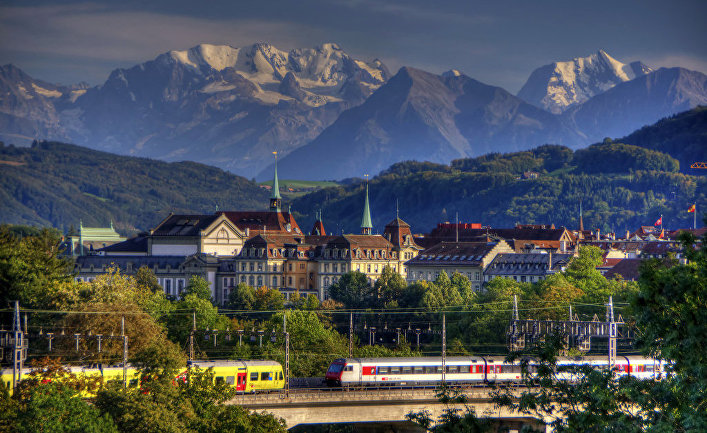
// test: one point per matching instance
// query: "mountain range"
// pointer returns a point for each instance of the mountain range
(332, 116)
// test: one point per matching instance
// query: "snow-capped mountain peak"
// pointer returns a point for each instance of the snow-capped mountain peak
(560, 85)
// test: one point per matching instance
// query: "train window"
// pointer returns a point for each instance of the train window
(407, 370)
(429, 370)
(394, 370)
(254, 375)
(438, 369)
(348, 368)
(219, 380)
(452, 369)
(649, 367)
(383, 370)
(280, 375)
(132, 383)
(265, 375)
(418, 370)
(230, 380)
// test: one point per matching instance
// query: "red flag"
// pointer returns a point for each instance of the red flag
(692, 208)
(659, 222)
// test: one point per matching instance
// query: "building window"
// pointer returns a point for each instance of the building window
(242, 267)
(289, 266)
(368, 268)
(167, 286)
(522, 278)
(476, 276)
(326, 267)
(289, 281)
(251, 280)
(301, 266)
(326, 281)
(274, 281)
(274, 267)
(335, 268)
(225, 295)
(242, 278)
(260, 267)
(225, 282)
(260, 281)
(252, 267)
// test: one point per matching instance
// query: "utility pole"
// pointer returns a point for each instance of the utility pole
(287, 364)
(612, 334)
(18, 344)
(350, 335)
(444, 349)
(191, 336)
(125, 353)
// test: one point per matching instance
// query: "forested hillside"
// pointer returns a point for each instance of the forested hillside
(59, 184)
(621, 187)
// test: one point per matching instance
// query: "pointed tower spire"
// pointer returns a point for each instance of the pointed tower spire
(366, 226)
(275, 198)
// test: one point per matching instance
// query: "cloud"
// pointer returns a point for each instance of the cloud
(96, 32)
(672, 60)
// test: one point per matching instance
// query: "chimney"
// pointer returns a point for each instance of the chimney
(598, 235)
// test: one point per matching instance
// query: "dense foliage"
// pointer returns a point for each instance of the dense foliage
(59, 184)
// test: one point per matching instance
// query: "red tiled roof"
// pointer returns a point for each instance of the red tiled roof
(259, 221)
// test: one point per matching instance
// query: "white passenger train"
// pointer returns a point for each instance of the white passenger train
(467, 369)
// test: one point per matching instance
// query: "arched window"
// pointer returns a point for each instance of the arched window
(326, 281)
(222, 234)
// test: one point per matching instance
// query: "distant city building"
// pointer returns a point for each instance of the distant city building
(526, 267)
(90, 239)
(467, 258)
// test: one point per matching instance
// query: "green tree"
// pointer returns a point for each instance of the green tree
(389, 287)
(31, 268)
(352, 290)
(147, 278)
(197, 287)
(242, 297)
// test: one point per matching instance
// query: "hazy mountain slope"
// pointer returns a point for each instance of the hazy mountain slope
(633, 104)
(418, 115)
(560, 85)
(59, 184)
(683, 136)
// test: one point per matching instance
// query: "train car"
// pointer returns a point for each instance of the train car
(472, 369)
(498, 370)
(247, 376)
(404, 371)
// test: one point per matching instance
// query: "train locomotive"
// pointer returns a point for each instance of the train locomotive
(246, 376)
(466, 370)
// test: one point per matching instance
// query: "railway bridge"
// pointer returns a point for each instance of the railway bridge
(385, 405)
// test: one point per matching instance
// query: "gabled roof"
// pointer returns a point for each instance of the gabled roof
(137, 244)
(627, 268)
(259, 221)
(183, 225)
(526, 264)
(453, 253)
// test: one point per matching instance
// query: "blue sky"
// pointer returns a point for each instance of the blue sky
(498, 42)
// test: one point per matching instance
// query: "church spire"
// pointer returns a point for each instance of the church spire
(581, 221)
(275, 198)
(366, 226)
